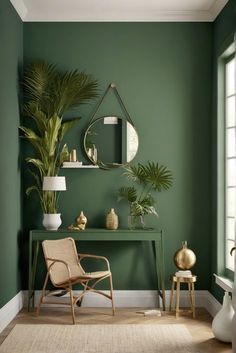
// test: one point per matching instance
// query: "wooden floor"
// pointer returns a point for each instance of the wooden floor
(200, 328)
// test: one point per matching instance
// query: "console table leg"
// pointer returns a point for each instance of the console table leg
(32, 272)
(159, 262)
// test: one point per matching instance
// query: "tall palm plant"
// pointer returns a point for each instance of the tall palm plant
(150, 177)
(49, 93)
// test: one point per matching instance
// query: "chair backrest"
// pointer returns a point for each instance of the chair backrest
(65, 250)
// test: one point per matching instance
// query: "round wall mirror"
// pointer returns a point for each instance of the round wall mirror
(111, 142)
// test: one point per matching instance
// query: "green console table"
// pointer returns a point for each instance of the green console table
(98, 234)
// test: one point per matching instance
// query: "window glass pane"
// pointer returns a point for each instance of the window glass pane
(230, 228)
(231, 172)
(230, 111)
(230, 142)
(230, 79)
(230, 202)
(229, 258)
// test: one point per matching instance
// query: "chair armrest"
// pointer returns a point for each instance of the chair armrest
(54, 261)
(83, 256)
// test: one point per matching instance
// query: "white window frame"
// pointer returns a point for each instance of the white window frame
(230, 158)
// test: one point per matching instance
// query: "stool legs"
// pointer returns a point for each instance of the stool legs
(176, 283)
(193, 299)
(177, 298)
(172, 295)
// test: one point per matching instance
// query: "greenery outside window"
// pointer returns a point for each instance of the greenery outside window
(230, 158)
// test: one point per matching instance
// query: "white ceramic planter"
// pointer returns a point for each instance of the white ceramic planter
(222, 325)
(51, 221)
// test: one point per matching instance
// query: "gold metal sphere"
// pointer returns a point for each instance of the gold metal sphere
(184, 258)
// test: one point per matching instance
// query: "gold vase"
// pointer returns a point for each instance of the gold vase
(184, 258)
(112, 220)
(81, 221)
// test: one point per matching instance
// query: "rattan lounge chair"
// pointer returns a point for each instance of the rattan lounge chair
(64, 270)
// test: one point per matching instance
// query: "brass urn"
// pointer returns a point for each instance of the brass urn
(184, 258)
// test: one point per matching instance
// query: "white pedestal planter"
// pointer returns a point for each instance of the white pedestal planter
(51, 221)
(222, 325)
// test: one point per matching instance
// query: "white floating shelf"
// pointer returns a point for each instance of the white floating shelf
(77, 165)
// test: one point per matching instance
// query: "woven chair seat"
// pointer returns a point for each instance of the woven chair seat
(85, 277)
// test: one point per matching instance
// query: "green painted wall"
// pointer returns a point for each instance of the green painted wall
(11, 42)
(163, 72)
(224, 29)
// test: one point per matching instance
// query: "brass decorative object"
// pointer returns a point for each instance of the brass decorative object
(184, 258)
(112, 220)
(81, 221)
(73, 156)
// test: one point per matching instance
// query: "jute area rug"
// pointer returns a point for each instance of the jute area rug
(98, 339)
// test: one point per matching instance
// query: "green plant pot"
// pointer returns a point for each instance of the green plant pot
(136, 222)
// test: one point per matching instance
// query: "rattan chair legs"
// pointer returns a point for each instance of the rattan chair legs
(73, 299)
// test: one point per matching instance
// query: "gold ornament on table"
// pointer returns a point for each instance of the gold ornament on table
(73, 156)
(80, 222)
(112, 220)
(184, 258)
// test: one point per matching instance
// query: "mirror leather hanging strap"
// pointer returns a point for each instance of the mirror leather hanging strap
(112, 87)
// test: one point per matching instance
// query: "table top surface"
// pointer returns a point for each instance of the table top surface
(98, 234)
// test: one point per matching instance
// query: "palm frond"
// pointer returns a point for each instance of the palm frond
(127, 193)
(31, 110)
(72, 89)
(38, 77)
(134, 173)
(157, 175)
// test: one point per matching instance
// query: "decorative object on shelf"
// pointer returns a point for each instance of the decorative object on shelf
(78, 165)
(81, 221)
(222, 325)
(49, 93)
(112, 220)
(136, 222)
(73, 156)
(51, 186)
(72, 164)
(184, 258)
(149, 177)
(111, 141)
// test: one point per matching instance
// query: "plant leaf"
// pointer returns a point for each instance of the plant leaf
(66, 125)
(127, 193)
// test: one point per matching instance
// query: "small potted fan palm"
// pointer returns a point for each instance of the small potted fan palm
(49, 93)
(149, 178)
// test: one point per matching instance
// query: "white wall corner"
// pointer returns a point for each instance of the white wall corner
(10, 310)
(20, 8)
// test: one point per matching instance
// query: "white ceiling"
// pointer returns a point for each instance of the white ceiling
(118, 11)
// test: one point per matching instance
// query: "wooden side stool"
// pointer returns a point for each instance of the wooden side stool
(176, 281)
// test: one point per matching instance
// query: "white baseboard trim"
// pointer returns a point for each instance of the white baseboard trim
(211, 304)
(141, 299)
(10, 310)
(123, 299)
